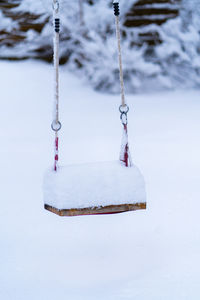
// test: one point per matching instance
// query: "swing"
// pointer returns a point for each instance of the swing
(93, 188)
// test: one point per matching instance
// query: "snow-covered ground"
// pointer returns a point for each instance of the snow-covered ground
(152, 254)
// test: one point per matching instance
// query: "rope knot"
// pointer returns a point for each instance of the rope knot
(57, 24)
(116, 8)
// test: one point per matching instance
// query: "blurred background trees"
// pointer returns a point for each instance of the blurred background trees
(160, 40)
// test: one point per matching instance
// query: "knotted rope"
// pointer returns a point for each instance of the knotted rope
(56, 125)
(125, 155)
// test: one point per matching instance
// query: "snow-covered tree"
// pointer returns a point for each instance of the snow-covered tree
(160, 40)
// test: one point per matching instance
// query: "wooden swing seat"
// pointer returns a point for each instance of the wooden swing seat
(94, 189)
(97, 210)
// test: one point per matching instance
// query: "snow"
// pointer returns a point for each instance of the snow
(93, 185)
(151, 254)
(5, 22)
(37, 7)
(90, 49)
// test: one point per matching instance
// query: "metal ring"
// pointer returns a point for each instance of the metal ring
(56, 126)
(124, 109)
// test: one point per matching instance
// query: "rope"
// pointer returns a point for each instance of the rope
(56, 76)
(56, 125)
(120, 60)
(81, 14)
(125, 156)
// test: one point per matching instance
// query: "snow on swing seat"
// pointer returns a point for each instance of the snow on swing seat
(94, 188)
